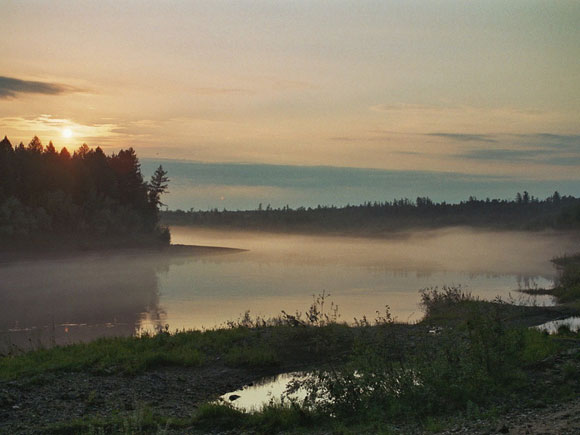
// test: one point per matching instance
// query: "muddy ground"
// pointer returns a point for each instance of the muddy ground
(28, 406)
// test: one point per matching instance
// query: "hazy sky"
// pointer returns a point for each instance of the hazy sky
(480, 88)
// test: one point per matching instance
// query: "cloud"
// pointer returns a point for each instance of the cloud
(503, 154)
(293, 176)
(533, 148)
(291, 85)
(10, 87)
(462, 137)
(564, 161)
(450, 120)
(345, 138)
(562, 142)
(223, 91)
(538, 155)
(560, 137)
(47, 125)
(404, 107)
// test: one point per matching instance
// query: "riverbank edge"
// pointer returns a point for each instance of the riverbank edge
(66, 399)
(173, 250)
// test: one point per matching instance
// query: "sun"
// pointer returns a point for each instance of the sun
(67, 132)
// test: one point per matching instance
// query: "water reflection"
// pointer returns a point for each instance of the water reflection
(269, 390)
(59, 301)
(79, 299)
(572, 323)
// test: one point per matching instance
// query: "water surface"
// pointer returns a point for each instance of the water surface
(269, 390)
(59, 301)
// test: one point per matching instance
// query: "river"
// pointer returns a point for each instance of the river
(67, 300)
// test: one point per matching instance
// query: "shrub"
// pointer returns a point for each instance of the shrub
(470, 366)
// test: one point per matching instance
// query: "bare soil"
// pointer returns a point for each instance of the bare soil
(29, 405)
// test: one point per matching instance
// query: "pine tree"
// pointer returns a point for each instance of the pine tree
(157, 186)
(35, 145)
(7, 170)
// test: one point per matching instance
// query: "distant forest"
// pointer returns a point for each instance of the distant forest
(524, 212)
(87, 198)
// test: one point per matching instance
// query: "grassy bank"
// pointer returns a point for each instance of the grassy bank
(466, 359)
(567, 289)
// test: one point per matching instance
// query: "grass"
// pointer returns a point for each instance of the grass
(247, 342)
(371, 375)
(238, 346)
(127, 355)
(208, 417)
(568, 287)
(451, 306)
(472, 371)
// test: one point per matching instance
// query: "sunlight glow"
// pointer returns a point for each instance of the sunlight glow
(67, 132)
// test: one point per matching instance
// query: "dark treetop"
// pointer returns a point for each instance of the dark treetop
(49, 198)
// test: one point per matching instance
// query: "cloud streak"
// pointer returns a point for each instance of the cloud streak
(549, 149)
(222, 91)
(10, 87)
(505, 154)
(46, 125)
(462, 137)
(561, 142)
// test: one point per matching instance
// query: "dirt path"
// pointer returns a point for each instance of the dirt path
(559, 419)
(27, 405)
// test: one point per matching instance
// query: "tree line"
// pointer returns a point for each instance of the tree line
(88, 195)
(525, 212)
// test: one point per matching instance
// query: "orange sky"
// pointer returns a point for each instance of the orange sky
(488, 87)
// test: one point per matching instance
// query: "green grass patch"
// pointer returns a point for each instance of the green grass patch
(238, 346)
(568, 289)
(126, 355)
(209, 417)
(240, 356)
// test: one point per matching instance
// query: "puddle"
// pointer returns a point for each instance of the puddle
(534, 300)
(268, 390)
(273, 390)
(552, 327)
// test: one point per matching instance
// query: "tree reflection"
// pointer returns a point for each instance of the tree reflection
(62, 301)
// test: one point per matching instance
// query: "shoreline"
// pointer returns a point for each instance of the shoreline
(176, 377)
(177, 250)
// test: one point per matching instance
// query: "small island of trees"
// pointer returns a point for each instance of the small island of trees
(50, 198)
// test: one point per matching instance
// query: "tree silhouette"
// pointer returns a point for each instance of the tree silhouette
(88, 195)
(35, 145)
(524, 212)
(7, 178)
(158, 186)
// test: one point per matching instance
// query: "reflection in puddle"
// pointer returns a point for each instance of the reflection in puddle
(283, 389)
(268, 390)
(573, 323)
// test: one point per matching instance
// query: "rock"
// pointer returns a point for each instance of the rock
(504, 429)
(233, 397)
(6, 399)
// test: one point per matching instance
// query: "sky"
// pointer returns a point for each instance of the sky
(305, 102)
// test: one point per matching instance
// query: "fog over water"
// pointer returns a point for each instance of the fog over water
(77, 299)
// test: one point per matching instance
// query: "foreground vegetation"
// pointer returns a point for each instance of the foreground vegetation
(466, 359)
(568, 287)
